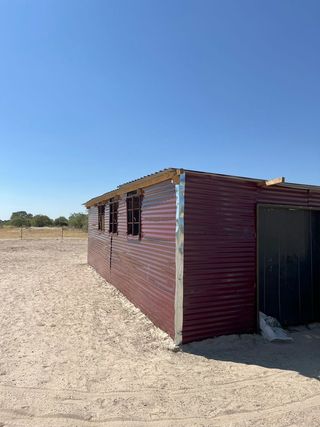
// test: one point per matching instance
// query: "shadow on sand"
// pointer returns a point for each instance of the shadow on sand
(302, 355)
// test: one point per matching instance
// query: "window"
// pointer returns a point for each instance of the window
(101, 210)
(134, 213)
(113, 215)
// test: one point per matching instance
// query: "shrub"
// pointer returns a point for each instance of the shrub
(61, 222)
(41, 221)
(21, 219)
(78, 220)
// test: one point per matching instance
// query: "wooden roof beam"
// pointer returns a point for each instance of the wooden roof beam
(273, 181)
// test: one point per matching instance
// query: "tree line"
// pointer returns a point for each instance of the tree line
(24, 219)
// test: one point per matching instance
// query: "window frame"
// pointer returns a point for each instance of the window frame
(113, 215)
(101, 217)
(134, 209)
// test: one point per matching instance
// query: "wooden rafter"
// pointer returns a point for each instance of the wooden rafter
(274, 181)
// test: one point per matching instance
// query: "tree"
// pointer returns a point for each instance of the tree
(21, 219)
(41, 221)
(78, 220)
(61, 221)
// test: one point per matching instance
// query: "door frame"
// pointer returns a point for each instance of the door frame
(270, 205)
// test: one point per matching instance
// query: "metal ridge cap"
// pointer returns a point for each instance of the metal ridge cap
(222, 175)
(257, 180)
(300, 186)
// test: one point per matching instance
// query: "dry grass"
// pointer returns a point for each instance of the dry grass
(41, 233)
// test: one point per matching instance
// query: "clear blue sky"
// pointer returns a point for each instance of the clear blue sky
(95, 93)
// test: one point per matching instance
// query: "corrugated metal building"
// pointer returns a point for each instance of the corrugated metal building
(201, 253)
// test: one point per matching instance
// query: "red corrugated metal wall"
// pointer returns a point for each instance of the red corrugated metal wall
(143, 270)
(98, 243)
(220, 251)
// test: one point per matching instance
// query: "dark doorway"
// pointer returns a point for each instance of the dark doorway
(288, 260)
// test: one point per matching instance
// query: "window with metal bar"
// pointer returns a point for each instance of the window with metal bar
(101, 211)
(113, 215)
(134, 213)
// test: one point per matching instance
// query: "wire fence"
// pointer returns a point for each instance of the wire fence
(41, 233)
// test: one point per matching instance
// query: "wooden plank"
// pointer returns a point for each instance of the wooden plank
(274, 181)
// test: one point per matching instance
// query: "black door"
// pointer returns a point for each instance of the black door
(289, 264)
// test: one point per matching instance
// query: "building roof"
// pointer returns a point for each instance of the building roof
(173, 173)
(144, 181)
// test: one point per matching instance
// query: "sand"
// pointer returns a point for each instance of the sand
(74, 352)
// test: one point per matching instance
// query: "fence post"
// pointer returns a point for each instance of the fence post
(20, 233)
(61, 233)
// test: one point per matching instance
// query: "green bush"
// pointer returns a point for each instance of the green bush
(41, 221)
(21, 219)
(78, 220)
(61, 222)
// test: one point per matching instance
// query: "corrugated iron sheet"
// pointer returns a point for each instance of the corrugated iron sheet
(219, 277)
(143, 270)
(146, 176)
(98, 243)
(143, 182)
(220, 251)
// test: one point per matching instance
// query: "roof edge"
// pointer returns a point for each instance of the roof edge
(143, 182)
(170, 173)
(283, 183)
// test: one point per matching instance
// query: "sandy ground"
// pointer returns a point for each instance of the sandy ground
(75, 353)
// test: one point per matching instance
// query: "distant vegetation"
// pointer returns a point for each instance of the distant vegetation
(23, 219)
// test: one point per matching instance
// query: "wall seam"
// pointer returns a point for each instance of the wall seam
(178, 306)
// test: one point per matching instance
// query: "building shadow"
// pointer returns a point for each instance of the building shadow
(302, 355)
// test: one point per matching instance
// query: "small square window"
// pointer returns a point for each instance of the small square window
(113, 215)
(134, 213)
(101, 212)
